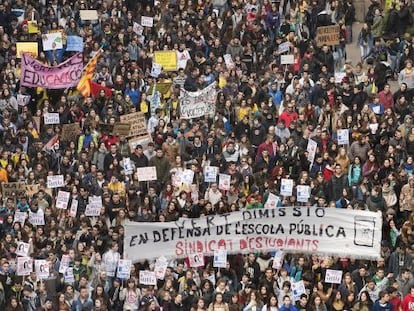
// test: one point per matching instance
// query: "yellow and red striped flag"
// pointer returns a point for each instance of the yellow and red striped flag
(83, 86)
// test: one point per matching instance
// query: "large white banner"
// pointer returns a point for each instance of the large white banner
(198, 104)
(291, 229)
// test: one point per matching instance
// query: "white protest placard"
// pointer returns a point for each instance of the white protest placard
(52, 41)
(147, 21)
(19, 217)
(64, 263)
(23, 100)
(128, 167)
(41, 268)
(220, 258)
(22, 249)
(176, 179)
(93, 209)
(343, 136)
(38, 218)
(124, 269)
(160, 268)
(339, 76)
(196, 260)
(95, 199)
(187, 177)
(210, 173)
(24, 266)
(224, 182)
(228, 60)
(147, 278)
(155, 70)
(283, 47)
(303, 193)
(333, 276)
(147, 173)
(73, 208)
(68, 275)
(311, 149)
(55, 181)
(272, 201)
(198, 104)
(62, 199)
(298, 289)
(376, 109)
(88, 15)
(286, 187)
(51, 118)
(137, 28)
(278, 259)
(287, 59)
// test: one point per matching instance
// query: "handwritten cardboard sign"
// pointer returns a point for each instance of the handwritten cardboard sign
(327, 35)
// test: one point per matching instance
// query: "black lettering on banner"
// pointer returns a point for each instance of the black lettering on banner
(296, 212)
(143, 239)
(210, 222)
(292, 228)
(28, 76)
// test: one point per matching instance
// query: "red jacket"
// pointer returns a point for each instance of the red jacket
(288, 117)
(387, 100)
(408, 303)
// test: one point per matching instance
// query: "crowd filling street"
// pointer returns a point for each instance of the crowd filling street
(120, 111)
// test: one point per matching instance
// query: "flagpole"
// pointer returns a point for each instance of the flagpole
(84, 73)
(83, 69)
(99, 51)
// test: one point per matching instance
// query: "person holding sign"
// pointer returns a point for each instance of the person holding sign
(110, 259)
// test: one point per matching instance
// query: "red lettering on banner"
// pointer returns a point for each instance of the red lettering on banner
(185, 247)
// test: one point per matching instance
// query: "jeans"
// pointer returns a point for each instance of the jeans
(393, 62)
(364, 51)
(108, 283)
(357, 193)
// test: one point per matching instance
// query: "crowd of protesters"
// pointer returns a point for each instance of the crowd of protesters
(266, 113)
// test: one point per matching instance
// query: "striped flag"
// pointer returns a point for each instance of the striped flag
(83, 86)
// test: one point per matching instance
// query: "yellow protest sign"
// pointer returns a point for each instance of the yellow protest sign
(388, 3)
(162, 87)
(27, 47)
(167, 59)
(32, 27)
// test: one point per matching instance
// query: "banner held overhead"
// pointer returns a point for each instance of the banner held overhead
(292, 229)
(36, 74)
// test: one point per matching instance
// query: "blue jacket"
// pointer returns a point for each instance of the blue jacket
(79, 306)
(290, 308)
(382, 307)
(134, 94)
